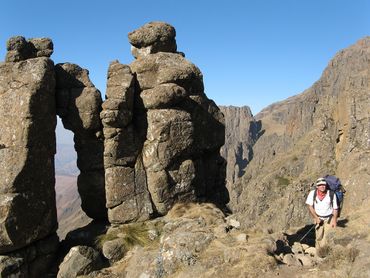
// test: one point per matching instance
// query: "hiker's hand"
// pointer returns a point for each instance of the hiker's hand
(333, 223)
(317, 221)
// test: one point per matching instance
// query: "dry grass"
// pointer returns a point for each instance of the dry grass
(209, 212)
(130, 234)
(339, 256)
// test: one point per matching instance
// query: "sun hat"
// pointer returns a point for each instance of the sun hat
(321, 181)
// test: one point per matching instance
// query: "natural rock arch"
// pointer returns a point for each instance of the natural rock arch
(154, 141)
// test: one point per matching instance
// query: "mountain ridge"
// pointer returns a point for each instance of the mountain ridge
(307, 136)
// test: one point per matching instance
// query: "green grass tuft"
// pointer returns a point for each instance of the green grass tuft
(282, 181)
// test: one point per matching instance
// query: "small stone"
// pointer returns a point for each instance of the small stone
(291, 260)
(297, 248)
(242, 237)
(305, 260)
(311, 251)
(233, 223)
(114, 250)
(305, 246)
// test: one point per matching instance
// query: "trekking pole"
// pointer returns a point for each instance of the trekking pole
(313, 226)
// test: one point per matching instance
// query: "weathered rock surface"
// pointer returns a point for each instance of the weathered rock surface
(80, 260)
(33, 261)
(162, 134)
(324, 130)
(113, 250)
(79, 106)
(20, 49)
(151, 38)
(27, 148)
(126, 187)
(195, 241)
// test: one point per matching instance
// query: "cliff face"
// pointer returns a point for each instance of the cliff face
(324, 130)
(241, 132)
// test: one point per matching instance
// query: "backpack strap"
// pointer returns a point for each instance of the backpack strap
(331, 195)
(314, 197)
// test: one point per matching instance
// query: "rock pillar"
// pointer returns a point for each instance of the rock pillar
(27, 149)
(162, 134)
(79, 105)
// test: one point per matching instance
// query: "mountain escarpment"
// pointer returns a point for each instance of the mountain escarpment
(324, 130)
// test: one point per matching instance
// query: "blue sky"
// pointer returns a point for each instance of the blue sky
(250, 52)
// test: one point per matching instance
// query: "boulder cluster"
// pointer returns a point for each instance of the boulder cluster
(153, 142)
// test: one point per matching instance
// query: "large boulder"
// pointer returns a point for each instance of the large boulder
(20, 49)
(151, 38)
(185, 130)
(80, 260)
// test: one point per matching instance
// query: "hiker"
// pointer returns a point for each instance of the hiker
(323, 208)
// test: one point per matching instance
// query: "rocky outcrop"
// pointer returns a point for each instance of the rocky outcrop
(192, 240)
(28, 219)
(324, 130)
(27, 147)
(162, 134)
(79, 106)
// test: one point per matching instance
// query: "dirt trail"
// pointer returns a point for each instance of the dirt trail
(349, 256)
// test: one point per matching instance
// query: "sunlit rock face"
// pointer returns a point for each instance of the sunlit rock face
(162, 134)
(324, 130)
(27, 144)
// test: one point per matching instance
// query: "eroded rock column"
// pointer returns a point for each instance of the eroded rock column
(126, 186)
(27, 148)
(175, 133)
(79, 105)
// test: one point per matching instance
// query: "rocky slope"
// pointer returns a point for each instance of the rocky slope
(324, 130)
(65, 161)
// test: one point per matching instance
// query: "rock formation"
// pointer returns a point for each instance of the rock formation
(162, 134)
(154, 142)
(79, 106)
(324, 130)
(27, 148)
(128, 198)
